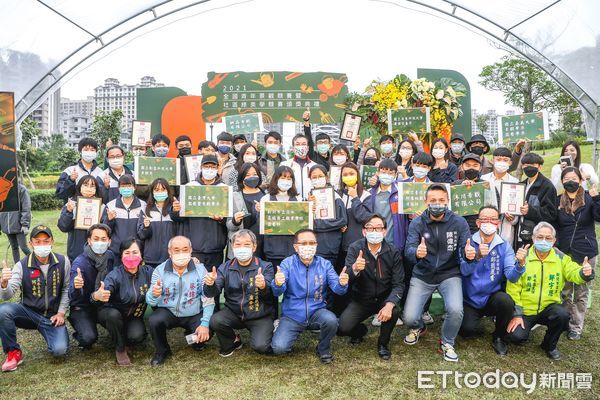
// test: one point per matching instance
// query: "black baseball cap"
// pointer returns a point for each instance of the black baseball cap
(40, 229)
(471, 156)
(210, 159)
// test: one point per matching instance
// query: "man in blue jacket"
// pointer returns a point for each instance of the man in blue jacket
(437, 241)
(303, 280)
(178, 299)
(482, 280)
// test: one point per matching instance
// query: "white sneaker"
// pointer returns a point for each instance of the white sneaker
(399, 322)
(427, 318)
(376, 321)
(414, 335)
(448, 351)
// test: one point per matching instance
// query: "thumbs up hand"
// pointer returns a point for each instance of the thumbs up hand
(101, 294)
(78, 281)
(422, 249)
(279, 277)
(359, 264)
(344, 277)
(211, 277)
(176, 205)
(6, 274)
(587, 267)
(522, 255)
(157, 289)
(484, 249)
(106, 180)
(259, 279)
(470, 252)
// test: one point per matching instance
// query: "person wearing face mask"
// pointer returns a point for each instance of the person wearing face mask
(226, 158)
(44, 298)
(421, 165)
(245, 282)
(76, 238)
(238, 142)
(317, 152)
(122, 295)
(578, 210)
(537, 294)
(183, 144)
(155, 226)
(109, 181)
(370, 156)
(572, 150)
(87, 273)
(479, 146)
(302, 279)
(339, 155)
(482, 281)
(122, 213)
(502, 162)
(15, 224)
(457, 149)
(540, 199)
(301, 165)
(68, 180)
(438, 241)
(272, 152)
(443, 170)
(160, 146)
(178, 299)
(377, 277)
(248, 154)
(406, 150)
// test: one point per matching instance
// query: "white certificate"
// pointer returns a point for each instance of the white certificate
(141, 133)
(512, 197)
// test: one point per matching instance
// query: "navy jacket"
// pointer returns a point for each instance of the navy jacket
(357, 216)
(278, 247)
(329, 233)
(112, 192)
(447, 175)
(128, 291)
(156, 236)
(82, 297)
(576, 234)
(65, 188)
(124, 225)
(76, 238)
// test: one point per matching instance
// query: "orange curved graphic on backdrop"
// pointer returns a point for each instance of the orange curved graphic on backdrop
(183, 116)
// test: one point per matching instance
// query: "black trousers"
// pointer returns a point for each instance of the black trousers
(276, 263)
(555, 317)
(500, 305)
(225, 321)
(161, 320)
(124, 330)
(350, 323)
(341, 302)
(211, 260)
(83, 320)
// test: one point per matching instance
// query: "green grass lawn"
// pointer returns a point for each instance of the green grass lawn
(357, 372)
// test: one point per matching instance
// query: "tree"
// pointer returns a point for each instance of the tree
(29, 130)
(482, 123)
(59, 154)
(107, 126)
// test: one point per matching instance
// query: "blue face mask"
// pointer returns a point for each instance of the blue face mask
(99, 247)
(386, 179)
(543, 246)
(160, 196)
(126, 191)
(161, 151)
(322, 148)
(224, 149)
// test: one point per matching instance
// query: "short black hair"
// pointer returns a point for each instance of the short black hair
(182, 138)
(436, 187)
(388, 163)
(383, 138)
(87, 141)
(225, 137)
(160, 138)
(298, 136)
(502, 152)
(206, 143)
(103, 227)
(115, 146)
(126, 179)
(83, 181)
(301, 231)
(244, 171)
(532, 158)
(423, 158)
(274, 135)
(488, 207)
(128, 242)
(240, 137)
(322, 136)
(372, 217)
(317, 167)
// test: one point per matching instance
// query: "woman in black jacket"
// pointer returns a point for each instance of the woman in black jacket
(123, 293)
(578, 210)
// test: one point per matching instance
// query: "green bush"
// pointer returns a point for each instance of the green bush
(44, 181)
(44, 199)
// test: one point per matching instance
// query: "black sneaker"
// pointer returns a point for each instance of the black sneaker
(159, 359)
(325, 358)
(237, 344)
(500, 347)
(553, 354)
(384, 352)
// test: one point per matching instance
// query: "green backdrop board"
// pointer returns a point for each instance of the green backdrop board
(150, 103)
(366, 172)
(468, 200)
(532, 126)
(9, 188)
(463, 123)
(243, 124)
(403, 121)
(411, 197)
(281, 96)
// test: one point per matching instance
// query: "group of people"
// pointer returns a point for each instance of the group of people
(369, 261)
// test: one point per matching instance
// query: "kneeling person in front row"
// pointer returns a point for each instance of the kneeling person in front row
(43, 278)
(303, 280)
(377, 278)
(246, 283)
(177, 293)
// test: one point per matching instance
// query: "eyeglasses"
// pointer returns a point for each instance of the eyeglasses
(494, 221)
(311, 243)
(374, 228)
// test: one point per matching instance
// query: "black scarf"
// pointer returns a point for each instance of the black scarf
(100, 263)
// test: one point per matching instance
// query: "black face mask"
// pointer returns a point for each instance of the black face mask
(369, 161)
(472, 174)
(571, 186)
(252, 181)
(185, 151)
(436, 210)
(477, 150)
(530, 171)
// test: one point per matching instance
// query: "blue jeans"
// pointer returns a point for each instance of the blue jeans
(16, 315)
(288, 331)
(418, 294)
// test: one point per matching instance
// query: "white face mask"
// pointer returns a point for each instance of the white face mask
(272, 148)
(319, 182)
(284, 184)
(438, 153)
(181, 259)
(88, 156)
(242, 253)
(115, 162)
(406, 153)
(209, 173)
(420, 172)
(249, 158)
(339, 160)
(42, 251)
(307, 252)
(488, 228)
(238, 146)
(501, 166)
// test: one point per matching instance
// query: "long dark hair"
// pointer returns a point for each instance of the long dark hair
(377, 154)
(445, 143)
(359, 186)
(398, 158)
(273, 189)
(82, 182)
(240, 158)
(337, 148)
(244, 171)
(168, 201)
(577, 160)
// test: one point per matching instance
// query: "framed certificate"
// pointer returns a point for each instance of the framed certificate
(141, 133)
(325, 203)
(512, 197)
(193, 166)
(87, 212)
(350, 127)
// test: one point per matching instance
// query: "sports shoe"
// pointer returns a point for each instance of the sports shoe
(14, 358)
(448, 351)
(237, 344)
(572, 335)
(376, 321)
(427, 318)
(414, 335)
(399, 322)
